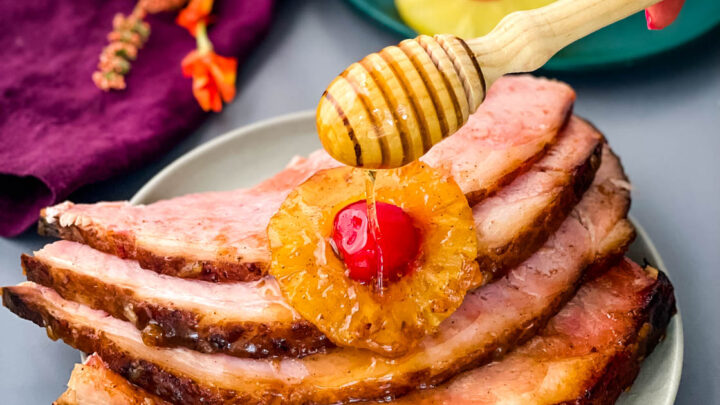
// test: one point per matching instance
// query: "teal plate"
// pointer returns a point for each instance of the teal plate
(623, 42)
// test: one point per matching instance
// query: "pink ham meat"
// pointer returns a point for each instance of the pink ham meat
(215, 236)
(516, 221)
(593, 346)
(220, 236)
(250, 320)
(92, 383)
(591, 349)
(516, 122)
(493, 319)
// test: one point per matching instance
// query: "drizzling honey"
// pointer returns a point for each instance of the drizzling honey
(374, 225)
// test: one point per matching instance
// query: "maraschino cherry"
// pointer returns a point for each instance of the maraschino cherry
(364, 256)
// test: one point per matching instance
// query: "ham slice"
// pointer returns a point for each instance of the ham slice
(593, 347)
(92, 383)
(215, 236)
(516, 221)
(492, 320)
(220, 236)
(517, 121)
(250, 319)
(587, 354)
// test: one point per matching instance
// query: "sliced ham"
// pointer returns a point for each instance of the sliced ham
(214, 236)
(251, 320)
(516, 221)
(220, 236)
(593, 346)
(516, 122)
(492, 320)
(587, 354)
(92, 383)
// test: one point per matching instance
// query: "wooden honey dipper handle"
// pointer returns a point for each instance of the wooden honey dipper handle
(524, 41)
(392, 106)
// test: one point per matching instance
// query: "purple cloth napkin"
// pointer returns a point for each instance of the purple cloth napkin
(58, 131)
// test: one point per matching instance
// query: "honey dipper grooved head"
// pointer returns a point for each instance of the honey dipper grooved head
(392, 106)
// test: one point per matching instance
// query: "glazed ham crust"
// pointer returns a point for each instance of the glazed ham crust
(512, 128)
(92, 383)
(214, 236)
(249, 319)
(515, 221)
(221, 236)
(492, 320)
(594, 345)
(511, 225)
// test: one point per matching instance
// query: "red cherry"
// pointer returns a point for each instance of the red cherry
(363, 254)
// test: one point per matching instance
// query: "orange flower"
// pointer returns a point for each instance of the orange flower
(196, 11)
(213, 78)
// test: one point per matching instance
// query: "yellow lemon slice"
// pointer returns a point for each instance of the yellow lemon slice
(464, 18)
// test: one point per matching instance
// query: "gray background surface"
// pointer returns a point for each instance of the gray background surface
(662, 116)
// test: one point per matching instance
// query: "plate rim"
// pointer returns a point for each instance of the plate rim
(196, 152)
(679, 353)
(142, 197)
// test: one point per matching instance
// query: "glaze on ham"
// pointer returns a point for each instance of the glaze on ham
(250, 319)
(517, 121)
(492, 320)
(92, 383)
(587, 354)
(516, 221)
(214, 236)
(593, 346)
(220, 236)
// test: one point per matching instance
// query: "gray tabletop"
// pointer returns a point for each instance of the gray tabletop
(661, 116)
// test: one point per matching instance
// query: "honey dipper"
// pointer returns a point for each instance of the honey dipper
(392, 106)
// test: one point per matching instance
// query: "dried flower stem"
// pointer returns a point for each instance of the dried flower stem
(201, 38)
(129, 34)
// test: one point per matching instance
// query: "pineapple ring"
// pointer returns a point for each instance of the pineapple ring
(314, 279)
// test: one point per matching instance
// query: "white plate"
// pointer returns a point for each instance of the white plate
(250, 154)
